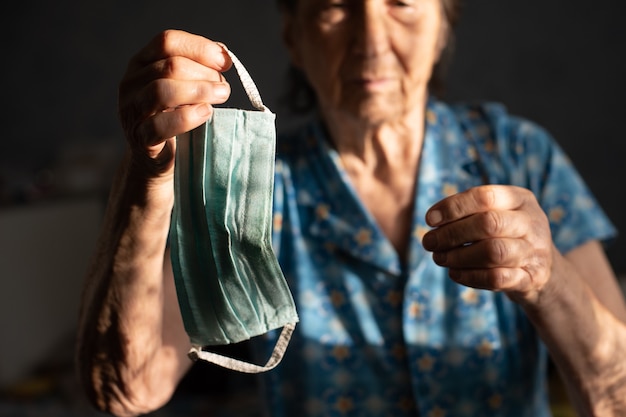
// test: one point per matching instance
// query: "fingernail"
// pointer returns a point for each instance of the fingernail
(203, 110)
(434, 217)
(220, 58)
(429, 241)
(440, 258)
(221, 91)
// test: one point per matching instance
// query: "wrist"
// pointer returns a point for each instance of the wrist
(149, 182)
(546, 291)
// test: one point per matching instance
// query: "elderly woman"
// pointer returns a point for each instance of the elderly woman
(437, 254)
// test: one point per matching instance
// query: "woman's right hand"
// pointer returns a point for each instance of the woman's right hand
(168, 89)
(132, 347)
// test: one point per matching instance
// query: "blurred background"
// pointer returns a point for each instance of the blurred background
(559, 63)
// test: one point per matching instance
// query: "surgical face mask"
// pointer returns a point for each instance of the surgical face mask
(228, 281)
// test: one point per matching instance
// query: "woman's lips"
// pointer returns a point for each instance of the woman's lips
(373, 83)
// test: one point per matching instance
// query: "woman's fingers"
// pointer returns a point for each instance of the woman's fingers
(153, 75)
(173, 101)
(489, 253)
(175, 69)
(492, 237)
(494, 279)
(476, 227)
(169, 88)
(166, 94)
(166, 124)
(477, 200)
(510, 265)
(172, 43)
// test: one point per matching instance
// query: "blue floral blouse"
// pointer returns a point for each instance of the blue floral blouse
(381, 338)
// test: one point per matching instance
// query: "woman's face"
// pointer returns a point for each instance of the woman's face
(370, 59)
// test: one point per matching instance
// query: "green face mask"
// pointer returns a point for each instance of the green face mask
(228, 281)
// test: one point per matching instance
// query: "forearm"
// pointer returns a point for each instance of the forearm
(586, 341)
(573, 301)
(129, 359)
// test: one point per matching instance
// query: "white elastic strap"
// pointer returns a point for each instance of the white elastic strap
(248, 85)
(196, 353)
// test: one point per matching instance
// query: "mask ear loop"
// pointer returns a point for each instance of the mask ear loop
(196, 352)
(248, 85)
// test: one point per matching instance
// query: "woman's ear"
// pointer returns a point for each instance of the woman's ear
(290, 36)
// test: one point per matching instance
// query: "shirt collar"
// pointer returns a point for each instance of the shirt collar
(448, 165)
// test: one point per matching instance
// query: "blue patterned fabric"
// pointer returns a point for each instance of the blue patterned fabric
(381, 338)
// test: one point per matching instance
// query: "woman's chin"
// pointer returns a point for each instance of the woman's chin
(376, 111)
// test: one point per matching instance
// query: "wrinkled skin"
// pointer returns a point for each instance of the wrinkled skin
(132, 347)
(369, 63)
(495, 238)
(168, 89)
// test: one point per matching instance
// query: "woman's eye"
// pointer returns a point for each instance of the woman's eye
(406, 10)
(402, 3)
(334, 12)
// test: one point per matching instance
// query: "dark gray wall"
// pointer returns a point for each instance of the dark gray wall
(559, 63)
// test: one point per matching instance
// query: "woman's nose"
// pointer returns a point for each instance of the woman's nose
(371, 37)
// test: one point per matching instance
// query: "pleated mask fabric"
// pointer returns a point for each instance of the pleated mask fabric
(229, 284)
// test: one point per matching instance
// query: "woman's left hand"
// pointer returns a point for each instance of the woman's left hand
(493, 237)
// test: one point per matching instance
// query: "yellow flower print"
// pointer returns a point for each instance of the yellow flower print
(556, 214)
(472, 153)
(363, 237)
(419, 232)
(337, 298)
(344, 405)
(437, 412)
(470, 296)
(341, 352)
(431, 117)
(322, 211)
(449, 189)
(495, 401)
(415, 310)
(394, 297)
(426, 363)
(485, 348)
(278, 222)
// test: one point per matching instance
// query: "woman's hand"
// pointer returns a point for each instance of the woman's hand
(493, 237)
(498, 238)
(168, 89)
(132, 346)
